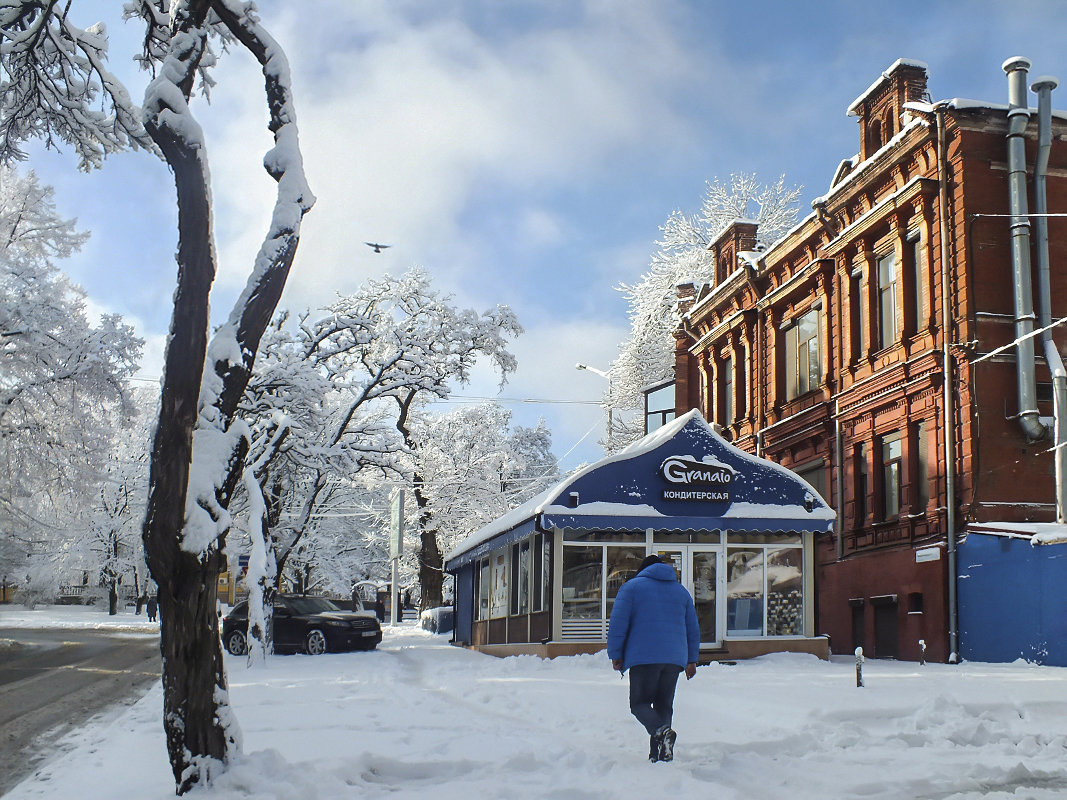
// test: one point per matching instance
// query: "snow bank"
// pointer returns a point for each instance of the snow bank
(420, 717)
(75, 617)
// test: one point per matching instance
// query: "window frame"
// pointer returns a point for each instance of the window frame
(813, 469)
(860, 484)
(888, 303)
(605, 577)
(482, 581)
(892, 488)
(767, 551)
(801, 375)
(498, 589)
(915, 251)
(922, 466)
(662, 415)
(727, 384)
(521, 572)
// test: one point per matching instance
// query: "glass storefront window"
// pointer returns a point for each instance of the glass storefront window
(498, 598)
(744, 591)
(536, 565)
(582, 571)
(622, 564)
(705, 588)
(523, 577)
(785, 592)
(483, 588)
(546, 572)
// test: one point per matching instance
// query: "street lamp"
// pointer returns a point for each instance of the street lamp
(606, 376)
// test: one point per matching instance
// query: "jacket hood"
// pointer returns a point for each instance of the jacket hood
(659, 572)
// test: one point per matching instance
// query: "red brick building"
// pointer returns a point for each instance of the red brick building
(834, 350)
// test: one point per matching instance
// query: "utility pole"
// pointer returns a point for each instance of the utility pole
(396, 547)
(606, 376)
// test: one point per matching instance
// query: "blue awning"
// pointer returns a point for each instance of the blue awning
(682, 477)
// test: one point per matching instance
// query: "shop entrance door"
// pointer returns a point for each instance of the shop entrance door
(698, 571)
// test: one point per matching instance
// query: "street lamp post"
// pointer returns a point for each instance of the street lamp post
(606, 376)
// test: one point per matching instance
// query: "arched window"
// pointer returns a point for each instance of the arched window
(874, 136)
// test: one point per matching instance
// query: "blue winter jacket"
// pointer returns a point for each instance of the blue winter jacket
(653, 621)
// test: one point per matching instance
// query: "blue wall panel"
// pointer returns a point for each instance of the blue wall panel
(464, 602)
(1012, 600)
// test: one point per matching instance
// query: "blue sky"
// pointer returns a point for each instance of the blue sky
(523, 153)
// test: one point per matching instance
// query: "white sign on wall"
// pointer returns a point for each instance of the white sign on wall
(927, 554)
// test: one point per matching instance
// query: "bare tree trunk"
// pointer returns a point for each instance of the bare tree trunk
(189, 638)
(431, 564)
(431, 571)
(200, 728)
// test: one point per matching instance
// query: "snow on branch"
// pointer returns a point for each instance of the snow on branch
(284, 162)
(684, 256)
(57, 87)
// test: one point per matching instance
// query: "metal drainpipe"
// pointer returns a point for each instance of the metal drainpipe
(839, 452)
(947, 387)
(839, 444)
(1018, 117)
(1043, 87)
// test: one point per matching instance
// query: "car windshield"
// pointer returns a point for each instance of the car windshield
(309, 605)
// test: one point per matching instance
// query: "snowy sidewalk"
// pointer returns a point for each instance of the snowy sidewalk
(420, 717)
(75, 617)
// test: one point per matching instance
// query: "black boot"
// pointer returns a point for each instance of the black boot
(666, 743)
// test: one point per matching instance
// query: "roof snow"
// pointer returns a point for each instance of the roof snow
(900, 62)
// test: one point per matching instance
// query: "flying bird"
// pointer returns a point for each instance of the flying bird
(377, 247)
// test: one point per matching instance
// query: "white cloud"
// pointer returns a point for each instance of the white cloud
(547, 354)
(406, 119)
(538, 227)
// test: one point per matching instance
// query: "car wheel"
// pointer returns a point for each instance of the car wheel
(236, 644)
(315, 643)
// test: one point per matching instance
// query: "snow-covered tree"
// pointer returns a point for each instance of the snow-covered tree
(475, 467)
(113, 531)
(56, 87)
(63, 380)
(358, 372)
(646, 357)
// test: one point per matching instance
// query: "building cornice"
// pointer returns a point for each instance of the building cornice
(876, 214)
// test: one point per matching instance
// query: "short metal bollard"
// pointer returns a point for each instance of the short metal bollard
(859, 667)
(922, 652)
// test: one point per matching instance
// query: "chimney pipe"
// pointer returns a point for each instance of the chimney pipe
(1018, 117)
(1043, 87)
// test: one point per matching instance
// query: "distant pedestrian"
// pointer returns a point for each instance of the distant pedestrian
(379, 609)
(654, 634)
(153, 607)
(357, 601)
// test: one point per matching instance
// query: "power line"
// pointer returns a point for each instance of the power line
(459, 397)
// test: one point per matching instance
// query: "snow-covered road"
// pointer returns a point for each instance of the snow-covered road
(421, 718)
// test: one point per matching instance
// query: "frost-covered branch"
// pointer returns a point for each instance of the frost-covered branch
(646, 357)
(57, 87)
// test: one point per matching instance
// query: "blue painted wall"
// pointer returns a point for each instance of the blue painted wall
(464, 603)
(1012, 600)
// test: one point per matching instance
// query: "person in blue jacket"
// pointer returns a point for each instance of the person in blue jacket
(654, 634)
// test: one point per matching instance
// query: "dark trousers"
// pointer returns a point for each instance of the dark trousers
(652, 694)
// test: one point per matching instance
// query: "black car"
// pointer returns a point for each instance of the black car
(311, 625)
